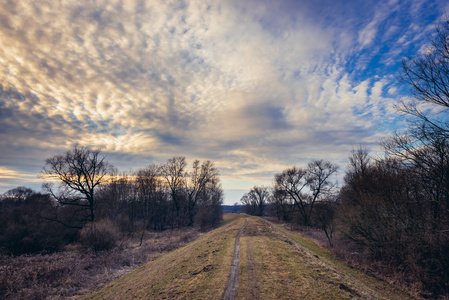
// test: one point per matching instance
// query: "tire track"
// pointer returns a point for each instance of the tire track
(231, 290)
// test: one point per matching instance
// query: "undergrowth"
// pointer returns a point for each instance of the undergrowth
(77, 270)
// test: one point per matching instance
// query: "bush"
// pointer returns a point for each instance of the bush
(100, 235)
(24, 224)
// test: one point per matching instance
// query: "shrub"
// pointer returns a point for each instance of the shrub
(24, 224)
(100, 235)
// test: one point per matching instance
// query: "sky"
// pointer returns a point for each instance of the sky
(255, 86)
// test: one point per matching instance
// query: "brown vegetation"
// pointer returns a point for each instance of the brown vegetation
(391, 215)
(75, 270)
(200, 270)
(274, 264)
(94, 225)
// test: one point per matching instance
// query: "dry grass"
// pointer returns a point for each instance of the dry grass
(283, 270)
(76, 271)
(200, 270)
(358, 260)
(367, 286)
(276, 263)
(288, 266)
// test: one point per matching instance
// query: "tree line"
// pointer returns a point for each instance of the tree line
(85, 198)
(393, 210)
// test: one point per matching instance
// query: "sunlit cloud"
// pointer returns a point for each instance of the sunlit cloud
(8, 176)
(254, 86)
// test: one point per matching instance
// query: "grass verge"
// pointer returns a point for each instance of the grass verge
(280, 264)
(199, 270)
(275, 263)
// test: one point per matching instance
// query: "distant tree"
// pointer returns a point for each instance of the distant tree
(19, 194)
(199, 178)
(324, 217)
(236, 207)
(358, 161)
(292, 182)
(118, 200)
(318, 178)
(153, 196)
(306, 187)
(256, 200)
(210, 201)
(282, 205)
(174, 174)
(79, 172)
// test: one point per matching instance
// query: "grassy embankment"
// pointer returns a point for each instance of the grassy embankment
(279, 264)
(275, 264)
(199, 270)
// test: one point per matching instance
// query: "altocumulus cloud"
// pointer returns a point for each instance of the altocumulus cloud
(252, 85)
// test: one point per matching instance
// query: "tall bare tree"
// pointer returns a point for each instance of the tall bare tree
(256, 200)
(425, 144)
(79, 172)
(199, 178)
(175, 174)
(306, 187)
(428, 78)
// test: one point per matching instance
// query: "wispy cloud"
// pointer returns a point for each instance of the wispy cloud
(10, 176)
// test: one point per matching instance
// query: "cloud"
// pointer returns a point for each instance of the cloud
(255, 86)
(10, 178)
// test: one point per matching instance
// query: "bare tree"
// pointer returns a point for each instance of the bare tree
(428, 77)
(306, 187)
(19, 194)
(199, 178)
(292, 181)
(282, 204)
(424, 147)
(210, 201)
(153, 196)
(318, 179)
(324, 218)
(175, 174)
(256, 200)
(148, 184)
(79, 172)
(359, 161)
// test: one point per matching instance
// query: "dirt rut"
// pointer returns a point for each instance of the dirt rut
(231, 290)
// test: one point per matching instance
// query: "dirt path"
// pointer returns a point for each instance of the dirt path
(249, 267)
(231, 290)
(264, 261)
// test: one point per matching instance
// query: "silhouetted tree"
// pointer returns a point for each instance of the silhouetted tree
(396, 210)
(79, 172)
(306, 187)
(282, 205)
(256, 200)
(428, 77)
(210, 200)
(174, 173)
(199, 178)
(324, 217)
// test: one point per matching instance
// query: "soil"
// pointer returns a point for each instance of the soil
(231, 290)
